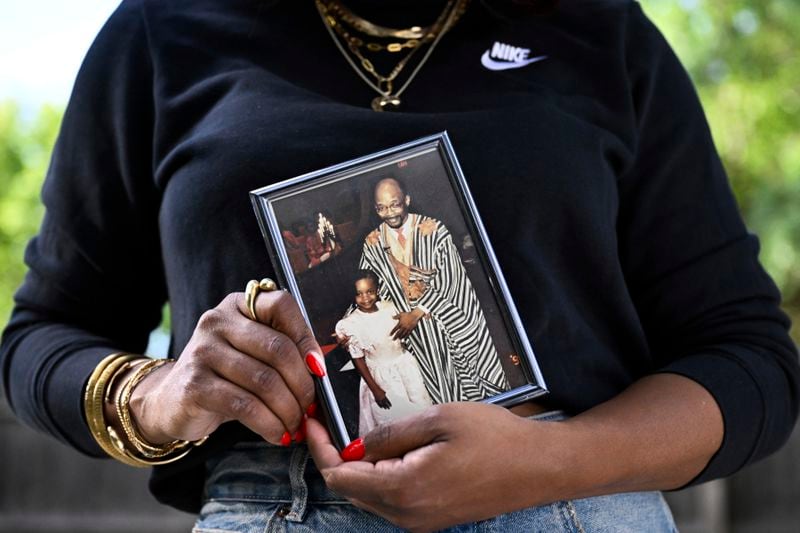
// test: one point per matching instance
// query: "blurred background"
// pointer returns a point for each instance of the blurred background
(744, 57)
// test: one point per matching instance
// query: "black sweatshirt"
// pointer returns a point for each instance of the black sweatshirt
(593, 170)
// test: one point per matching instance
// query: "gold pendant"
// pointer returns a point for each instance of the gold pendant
(387, 102)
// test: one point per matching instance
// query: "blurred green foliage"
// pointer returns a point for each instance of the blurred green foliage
(24, 154)
(742, 55)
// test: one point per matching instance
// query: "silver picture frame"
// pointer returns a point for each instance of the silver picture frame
(323, 227)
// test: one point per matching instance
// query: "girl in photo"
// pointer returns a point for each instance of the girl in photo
(391, 382)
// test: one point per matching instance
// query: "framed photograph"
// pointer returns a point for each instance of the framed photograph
(391, 267)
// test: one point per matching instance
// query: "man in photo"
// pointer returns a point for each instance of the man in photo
(421, 273)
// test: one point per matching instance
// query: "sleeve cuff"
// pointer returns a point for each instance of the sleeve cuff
(64, 397)
(740, 402)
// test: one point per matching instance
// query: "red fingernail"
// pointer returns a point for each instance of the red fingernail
(286, 439)
(314, 365)
(300, 434)
(312, 409)
(354, 451)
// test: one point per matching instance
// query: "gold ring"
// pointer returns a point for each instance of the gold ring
(251, 293)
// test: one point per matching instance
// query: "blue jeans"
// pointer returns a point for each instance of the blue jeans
(249, 489)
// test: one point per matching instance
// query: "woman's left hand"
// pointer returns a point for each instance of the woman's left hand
(448, 465)
(460, 462)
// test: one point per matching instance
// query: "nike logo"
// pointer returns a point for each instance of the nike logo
(504, 56)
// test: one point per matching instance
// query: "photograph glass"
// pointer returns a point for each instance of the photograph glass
(392, 269)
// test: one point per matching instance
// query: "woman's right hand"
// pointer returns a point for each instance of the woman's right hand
(234, 368)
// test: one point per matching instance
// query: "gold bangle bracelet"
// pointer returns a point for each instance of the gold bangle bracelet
(144, 463)
(147, 450)
(129, 365)
(93, 404)
(98, 391)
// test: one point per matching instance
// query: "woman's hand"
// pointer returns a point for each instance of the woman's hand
(460, 462)
(450, 464)
(233, 368)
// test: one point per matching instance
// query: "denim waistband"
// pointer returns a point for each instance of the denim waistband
(260, 472)
(263, 472)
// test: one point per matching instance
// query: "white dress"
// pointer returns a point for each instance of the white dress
(391, 365)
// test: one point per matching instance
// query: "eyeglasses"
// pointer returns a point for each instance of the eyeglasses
(394, 206)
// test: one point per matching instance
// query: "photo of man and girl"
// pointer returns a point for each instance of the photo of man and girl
(403, 306)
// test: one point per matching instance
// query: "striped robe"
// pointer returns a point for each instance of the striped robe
(455, 351)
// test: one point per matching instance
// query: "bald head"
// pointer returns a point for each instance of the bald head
(391, 202)
(390, 183)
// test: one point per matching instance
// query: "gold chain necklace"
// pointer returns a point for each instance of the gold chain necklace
(388, 99)
(356, 42)
(364, 26)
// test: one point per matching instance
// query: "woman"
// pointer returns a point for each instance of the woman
(391, 381)
(595, 175)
